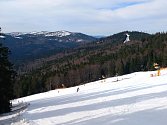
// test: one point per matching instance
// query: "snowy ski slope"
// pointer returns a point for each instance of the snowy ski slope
(133, 99)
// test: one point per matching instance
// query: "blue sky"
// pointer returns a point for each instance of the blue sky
(103, 17)
(126, 4)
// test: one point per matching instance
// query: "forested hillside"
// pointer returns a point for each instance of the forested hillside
(104, 58)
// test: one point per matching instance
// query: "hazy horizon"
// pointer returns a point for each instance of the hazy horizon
(90, 17)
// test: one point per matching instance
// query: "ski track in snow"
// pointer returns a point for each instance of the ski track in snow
(133, 99)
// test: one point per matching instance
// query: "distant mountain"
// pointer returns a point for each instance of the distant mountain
(110, 44)
(120, 37)
(32, 45)
(58, 36)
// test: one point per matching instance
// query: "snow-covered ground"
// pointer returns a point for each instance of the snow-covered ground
(133, 99)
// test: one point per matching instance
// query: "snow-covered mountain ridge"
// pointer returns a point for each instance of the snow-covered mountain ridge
(44, 33)
(132, 99)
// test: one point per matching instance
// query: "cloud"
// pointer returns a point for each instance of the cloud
(88, 16)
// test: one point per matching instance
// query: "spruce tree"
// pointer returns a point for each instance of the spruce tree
(6, 80)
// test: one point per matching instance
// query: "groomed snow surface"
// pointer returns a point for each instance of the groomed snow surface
(133, 99)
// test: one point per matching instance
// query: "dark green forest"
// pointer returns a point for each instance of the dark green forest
(106, 57)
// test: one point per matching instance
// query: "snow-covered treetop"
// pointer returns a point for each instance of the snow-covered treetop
(2, 36)
(58, 33)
